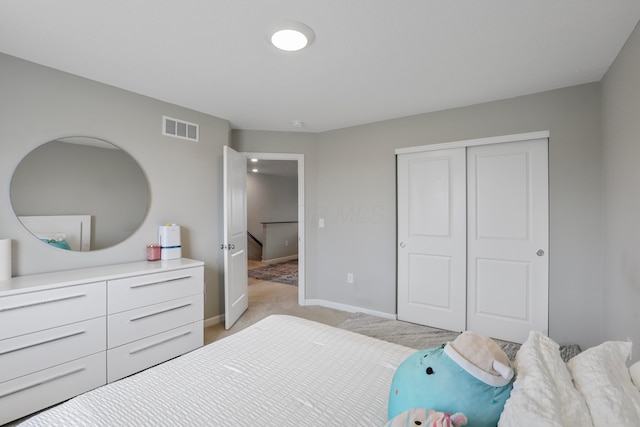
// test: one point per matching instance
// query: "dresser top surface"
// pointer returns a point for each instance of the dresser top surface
(36, 282)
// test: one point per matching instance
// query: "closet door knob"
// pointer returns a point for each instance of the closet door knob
(540, 252)
(403, 245)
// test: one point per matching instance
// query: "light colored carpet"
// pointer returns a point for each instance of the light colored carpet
(409, 334)
(421, 337)
(398, 332)
(266, 298)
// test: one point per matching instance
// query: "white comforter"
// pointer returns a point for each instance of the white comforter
(282, 371)
(287, 371)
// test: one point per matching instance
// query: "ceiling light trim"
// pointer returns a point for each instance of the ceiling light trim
(290, 36)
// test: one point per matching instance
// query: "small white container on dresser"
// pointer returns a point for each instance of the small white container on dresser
(65, 333)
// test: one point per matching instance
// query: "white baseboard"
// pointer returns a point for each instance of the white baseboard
(349, 308)
(322, 303)
(213, 320)
(282, 259)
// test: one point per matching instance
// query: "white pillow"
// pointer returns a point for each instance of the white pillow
(634, 371)
(543, 393)
(601, 375)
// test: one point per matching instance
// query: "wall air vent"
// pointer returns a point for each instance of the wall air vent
(180, 129)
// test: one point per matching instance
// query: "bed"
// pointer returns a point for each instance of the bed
(287, 371)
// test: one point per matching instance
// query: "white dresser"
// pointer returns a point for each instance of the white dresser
(65, 333)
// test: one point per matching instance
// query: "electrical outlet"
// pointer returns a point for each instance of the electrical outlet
(321, 223)
(349, 277)
(286, 243)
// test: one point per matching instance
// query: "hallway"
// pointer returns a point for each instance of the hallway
(266, 298)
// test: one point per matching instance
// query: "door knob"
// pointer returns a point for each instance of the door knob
(403, 245)
(540, 252)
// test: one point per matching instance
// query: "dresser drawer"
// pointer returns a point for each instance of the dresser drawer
(31, 393)
(33, 311)
(138, 291)
(131, 358)
(40, 350)
(142, 322)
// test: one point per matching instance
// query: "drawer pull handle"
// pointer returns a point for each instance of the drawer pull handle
(44, 381)
(138, 350)
(24, 347)
(17, 307)
(142, 285)
(144, 316)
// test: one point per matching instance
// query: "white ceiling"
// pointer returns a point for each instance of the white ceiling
(371, 60)
(282, 168)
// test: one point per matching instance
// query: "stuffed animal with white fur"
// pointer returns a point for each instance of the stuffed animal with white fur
(428, 418)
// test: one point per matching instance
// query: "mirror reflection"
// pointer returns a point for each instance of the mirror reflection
(80, 193)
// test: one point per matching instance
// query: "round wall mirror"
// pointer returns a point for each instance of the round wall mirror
(80, 193)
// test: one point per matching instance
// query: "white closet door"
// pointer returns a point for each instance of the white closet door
(508, 239)
(432, 239)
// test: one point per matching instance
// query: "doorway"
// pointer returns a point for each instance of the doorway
(286, 227)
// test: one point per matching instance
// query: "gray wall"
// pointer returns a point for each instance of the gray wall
(185, 177)
(280, 242)
(621, 153)
(270, 198)
(356, 196)
(359, 202)
(273, 198)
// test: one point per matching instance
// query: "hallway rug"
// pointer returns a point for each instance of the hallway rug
(283, 272)
(420, 337)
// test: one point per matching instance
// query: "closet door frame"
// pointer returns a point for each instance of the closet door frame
(473, 142)
(541, 322)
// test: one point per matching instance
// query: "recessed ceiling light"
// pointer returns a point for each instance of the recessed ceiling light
(291, 36)
(254, 170)
(289, 40)
(254, 160)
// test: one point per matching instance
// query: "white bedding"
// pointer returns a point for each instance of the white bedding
(593, 389)
(282, 371)
(543, 393)
(287, 371)
(602, 377)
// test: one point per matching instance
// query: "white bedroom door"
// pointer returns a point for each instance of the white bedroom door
(508, 239)
(432, 238)
(236, 297)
